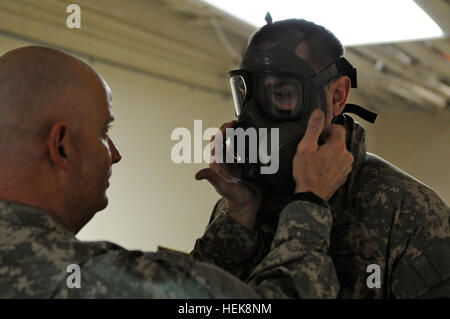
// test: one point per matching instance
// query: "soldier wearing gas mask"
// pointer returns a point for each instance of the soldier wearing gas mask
(383, 219)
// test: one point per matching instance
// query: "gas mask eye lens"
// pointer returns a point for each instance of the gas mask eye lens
(238, 91)
(280, 95)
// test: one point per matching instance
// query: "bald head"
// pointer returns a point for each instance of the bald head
(38, 86)
(55, 151)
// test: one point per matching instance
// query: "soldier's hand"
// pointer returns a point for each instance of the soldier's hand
(243, 200)
(321, 169)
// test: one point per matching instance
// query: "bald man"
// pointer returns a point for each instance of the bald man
(55, 162)
(55, 112)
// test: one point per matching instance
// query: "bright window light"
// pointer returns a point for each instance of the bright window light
(354, 22)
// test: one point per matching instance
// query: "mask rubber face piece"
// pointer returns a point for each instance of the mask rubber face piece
(274, 89)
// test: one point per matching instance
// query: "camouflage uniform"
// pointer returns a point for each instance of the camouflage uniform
(36, 249)
(381, 216)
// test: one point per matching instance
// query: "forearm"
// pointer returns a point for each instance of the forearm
(230, 246)
(298, 265)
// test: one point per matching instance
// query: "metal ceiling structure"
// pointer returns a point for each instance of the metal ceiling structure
(392, 77)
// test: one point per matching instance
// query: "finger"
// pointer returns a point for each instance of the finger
(217, 161)
(350, 163)
(204, 173)
(313, 131)
(337, 134)
(347, 164)
(223, 128)
(351, 158)
(226, 125)
(220, 140)
(217, 148)
(342, 181)
(349, 169)
(212, 151)
(221, 169)
(214, 178)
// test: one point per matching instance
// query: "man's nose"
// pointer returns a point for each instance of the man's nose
(115, 153)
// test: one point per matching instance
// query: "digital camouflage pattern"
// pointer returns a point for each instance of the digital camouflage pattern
(381, 216)
(35, 250)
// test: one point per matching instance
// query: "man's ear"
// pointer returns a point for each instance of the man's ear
(339, 90)
(57, 145)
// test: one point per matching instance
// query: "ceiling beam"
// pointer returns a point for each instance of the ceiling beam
(439, 11)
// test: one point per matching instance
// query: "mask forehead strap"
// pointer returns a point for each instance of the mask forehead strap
(280, 57)
(341, 67)
(293, 38)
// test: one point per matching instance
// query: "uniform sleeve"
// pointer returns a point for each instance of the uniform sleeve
(231, 246)
(296, 267)
(422, 266)
(299, 255)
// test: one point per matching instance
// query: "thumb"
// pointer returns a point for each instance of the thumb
(313, 131)
(337, 134)
(211, 176)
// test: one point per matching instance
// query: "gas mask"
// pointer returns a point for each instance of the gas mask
(276, 89)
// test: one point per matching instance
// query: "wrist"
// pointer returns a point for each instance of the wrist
(310, 197)
(244, 215)
(300, 189)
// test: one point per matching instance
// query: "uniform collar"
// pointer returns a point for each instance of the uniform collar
(356, 141)
(340, 203)
(24, 215)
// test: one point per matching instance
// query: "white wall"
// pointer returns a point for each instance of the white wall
(418, 143)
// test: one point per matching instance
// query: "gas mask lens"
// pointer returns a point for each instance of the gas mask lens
(280, 95)
(238, 91)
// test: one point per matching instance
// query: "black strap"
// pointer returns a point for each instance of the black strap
(309, 197)
(346, 68)
(341, 67)
(361, 112)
